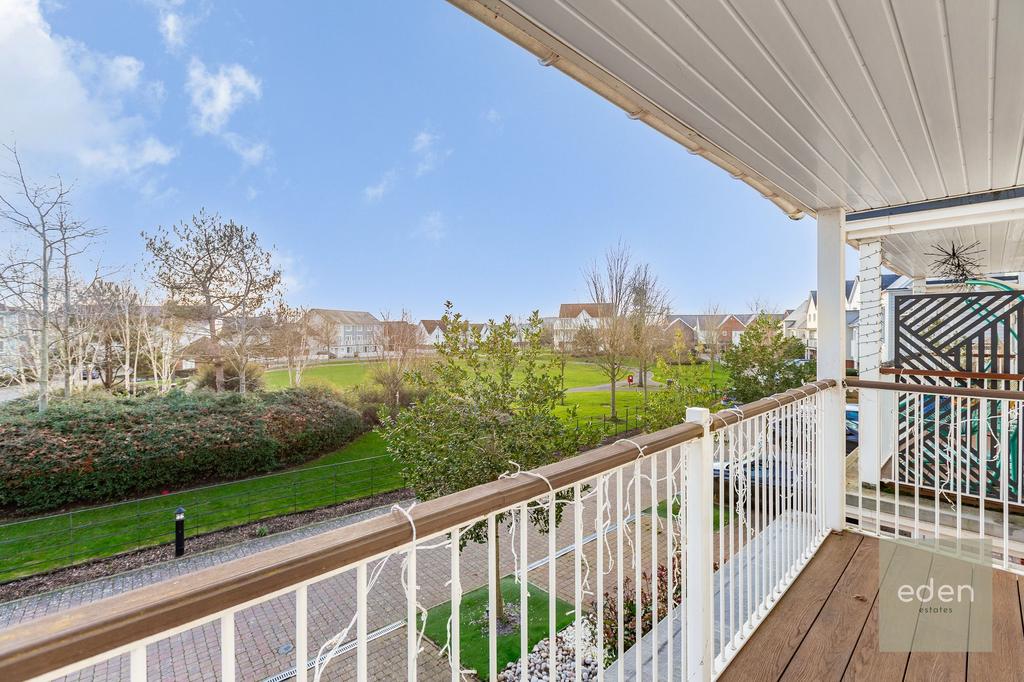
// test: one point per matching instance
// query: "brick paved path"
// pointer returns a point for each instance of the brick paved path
(265, 632)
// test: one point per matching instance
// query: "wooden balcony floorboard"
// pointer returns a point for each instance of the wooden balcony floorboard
(826, 628)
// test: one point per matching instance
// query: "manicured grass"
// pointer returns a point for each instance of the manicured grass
(341, 375)
(596, 405)
(359, 469)
(716, 520)
(720, 377)
(473, 624)
(334, 375)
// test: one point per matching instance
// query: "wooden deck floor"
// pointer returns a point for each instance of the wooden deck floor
(826, 628)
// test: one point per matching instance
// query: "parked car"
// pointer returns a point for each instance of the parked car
(90, 373)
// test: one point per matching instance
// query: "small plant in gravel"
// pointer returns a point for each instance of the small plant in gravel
(630, 611)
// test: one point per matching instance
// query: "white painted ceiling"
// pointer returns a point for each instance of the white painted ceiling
(1000, 247)
(830, 103)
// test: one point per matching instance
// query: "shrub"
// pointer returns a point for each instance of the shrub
(207, 377)
(99, 448)
(629, 608)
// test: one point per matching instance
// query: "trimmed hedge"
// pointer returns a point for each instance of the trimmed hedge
(102, 448)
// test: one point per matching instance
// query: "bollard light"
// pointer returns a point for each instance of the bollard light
(179, 531)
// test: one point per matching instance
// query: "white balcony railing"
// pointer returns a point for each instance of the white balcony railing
(949, 467)
(623, 514)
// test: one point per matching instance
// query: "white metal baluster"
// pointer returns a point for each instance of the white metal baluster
(736, 578)
(788, 496)
(301, 644)
(683, 551)
(493, 585)
(577, 527)
(1004, 482)
(600, 529)
(552, 587)
(227, 647)
(411, 628)
(637, 564)
(958, 465)
(137, 664)
(361, 632)
(455, 643)
(620, 567)
(735, 574)
(764, 491)
(983, 452)
(654, 566)
(723, 465)
(524, 595)
(670, 597)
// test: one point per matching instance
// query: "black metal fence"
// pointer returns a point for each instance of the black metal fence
(44, 543)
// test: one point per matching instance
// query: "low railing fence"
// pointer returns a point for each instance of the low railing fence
(608, 559)
(948, 467)
(44, 543)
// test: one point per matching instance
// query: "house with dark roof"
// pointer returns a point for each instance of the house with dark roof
(356, 332)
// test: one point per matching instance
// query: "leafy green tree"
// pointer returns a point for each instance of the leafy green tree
(683, 388)
(766, 362)
(490, 401)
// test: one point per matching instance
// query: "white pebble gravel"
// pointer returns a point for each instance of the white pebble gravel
(565, 658)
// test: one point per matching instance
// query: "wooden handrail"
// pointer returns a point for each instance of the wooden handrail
(946, 374)
(957, 391)
(62, 639)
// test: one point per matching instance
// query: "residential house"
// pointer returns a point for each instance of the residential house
(356, 332)
(575, 316)
(432, 332)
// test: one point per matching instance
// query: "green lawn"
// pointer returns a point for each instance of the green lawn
(359, 469)
(596, 406)
(473, 625)
(335, 375)
(703, 371)
(341, 375)
(716, 512)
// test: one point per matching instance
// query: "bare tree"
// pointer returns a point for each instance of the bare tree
(218, 268)
(40, 213)
(648, 309)
(711, 332)
(398, 343)
(610, 288)
(295, 338)
(162, 334)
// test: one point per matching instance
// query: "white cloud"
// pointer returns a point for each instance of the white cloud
(173, 28)
(252, 153)
(423, 141)
(121, 158)
(215, 96)
(294, 274)
(432, 227)
(425, 147)
(67, 101)
(251, 193)
(377, 191)
(492, 116)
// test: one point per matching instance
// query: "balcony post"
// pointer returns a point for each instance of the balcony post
(699, 553)
(869, 336)
(832, 360)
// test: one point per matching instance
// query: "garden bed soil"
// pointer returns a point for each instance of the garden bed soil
(128, 561)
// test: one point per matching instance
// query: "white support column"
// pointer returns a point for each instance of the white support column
(870, 329)
(699, 553)
(832, 359)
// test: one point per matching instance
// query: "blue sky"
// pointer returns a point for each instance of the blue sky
(395, 154)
